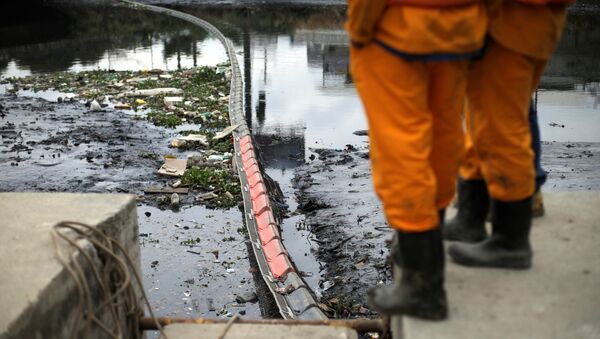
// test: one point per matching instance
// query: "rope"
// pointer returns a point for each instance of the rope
(228, 326)
(114, 278)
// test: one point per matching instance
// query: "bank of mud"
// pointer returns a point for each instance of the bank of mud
(101, 117)
(346, 221)
(194, 256)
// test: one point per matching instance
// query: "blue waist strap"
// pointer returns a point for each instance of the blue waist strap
(431, 57)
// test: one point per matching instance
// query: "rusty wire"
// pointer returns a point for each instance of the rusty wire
(359, 325)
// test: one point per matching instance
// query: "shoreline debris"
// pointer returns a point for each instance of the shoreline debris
(225, 132)
(173, 167)
(152, 92)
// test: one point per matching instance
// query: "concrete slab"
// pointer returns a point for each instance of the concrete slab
(558, 298)
(37, 296)
(251, 331)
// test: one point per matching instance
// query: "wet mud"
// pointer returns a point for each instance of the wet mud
(571, 166)
(196, 264)
(346, 222)
(63, 147)
(194, 258)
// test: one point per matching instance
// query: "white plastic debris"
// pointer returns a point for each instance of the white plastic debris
(215, 158)
(141, 79)
(327, 285)
(177, 143)
(175, 200)
(226, 132)
(153, 91)
(206, 196)
(195, 138)
(95, 106)
(172, 101)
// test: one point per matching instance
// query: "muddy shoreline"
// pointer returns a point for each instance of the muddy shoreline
(194, 259)
(60, 147)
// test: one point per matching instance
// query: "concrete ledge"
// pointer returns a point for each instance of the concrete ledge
(38, 296)
(558, 298)
(251, 331)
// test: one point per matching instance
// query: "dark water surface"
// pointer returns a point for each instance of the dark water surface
(299, 95)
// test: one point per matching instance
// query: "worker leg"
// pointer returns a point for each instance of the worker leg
(468, 225)
(446, 92)
(499, 94)
(394, 94)
(470, 167)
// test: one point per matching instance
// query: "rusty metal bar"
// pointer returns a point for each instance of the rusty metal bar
(359, 325)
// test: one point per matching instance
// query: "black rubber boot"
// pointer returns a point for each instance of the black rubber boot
(508, 246)
(442, 217)
(473, 204)
(420, 292)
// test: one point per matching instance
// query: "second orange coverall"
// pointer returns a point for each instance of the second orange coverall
(498, 142)
(411, 74)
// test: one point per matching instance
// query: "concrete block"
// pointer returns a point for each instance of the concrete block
(38, 296)
(251, 331)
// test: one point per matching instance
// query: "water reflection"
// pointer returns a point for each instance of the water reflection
(296, 71)
(295, 61)
(575, 61)
(104, 38)
(329, 51)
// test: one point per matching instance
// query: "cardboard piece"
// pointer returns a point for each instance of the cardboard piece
(173, 167)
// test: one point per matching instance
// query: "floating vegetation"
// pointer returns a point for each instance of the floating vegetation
(197, 97)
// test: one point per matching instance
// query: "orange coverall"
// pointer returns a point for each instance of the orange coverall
(411, 74)
(498, 141)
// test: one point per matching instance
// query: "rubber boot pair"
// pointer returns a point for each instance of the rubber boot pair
(507, 247)
(420, 291)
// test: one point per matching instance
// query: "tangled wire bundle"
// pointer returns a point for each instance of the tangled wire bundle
(112, 276)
